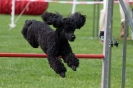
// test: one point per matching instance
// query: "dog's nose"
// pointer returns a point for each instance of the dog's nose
(73, 37)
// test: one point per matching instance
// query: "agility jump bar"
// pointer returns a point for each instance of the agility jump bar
(32, 55)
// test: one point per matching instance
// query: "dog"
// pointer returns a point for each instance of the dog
(55, 43)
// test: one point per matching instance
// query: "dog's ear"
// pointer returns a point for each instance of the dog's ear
(79, 19)
(54, 19)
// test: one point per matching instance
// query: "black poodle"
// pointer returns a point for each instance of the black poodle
(55, 43)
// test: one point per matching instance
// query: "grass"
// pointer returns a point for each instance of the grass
(36, 73)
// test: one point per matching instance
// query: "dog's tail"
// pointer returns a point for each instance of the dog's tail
(79, 19)
(54, 19)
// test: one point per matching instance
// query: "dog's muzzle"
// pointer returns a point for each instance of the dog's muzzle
(72, 38)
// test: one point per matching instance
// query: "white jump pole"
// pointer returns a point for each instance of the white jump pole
(12, 25)
(106, 63)
(74, 6)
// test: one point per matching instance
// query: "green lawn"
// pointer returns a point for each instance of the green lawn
(36, 73)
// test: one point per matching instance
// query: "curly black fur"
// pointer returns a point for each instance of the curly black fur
(55, 43)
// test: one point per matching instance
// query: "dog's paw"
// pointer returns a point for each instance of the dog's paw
(74, 68)
(62, 75)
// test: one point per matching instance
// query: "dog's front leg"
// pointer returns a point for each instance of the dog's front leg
(69, 57)
(56, 64)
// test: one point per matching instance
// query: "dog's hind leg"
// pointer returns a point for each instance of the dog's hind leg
(25, 28)
(30, 34)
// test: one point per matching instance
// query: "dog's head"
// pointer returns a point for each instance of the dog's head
(72, 22)
(66, 26)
